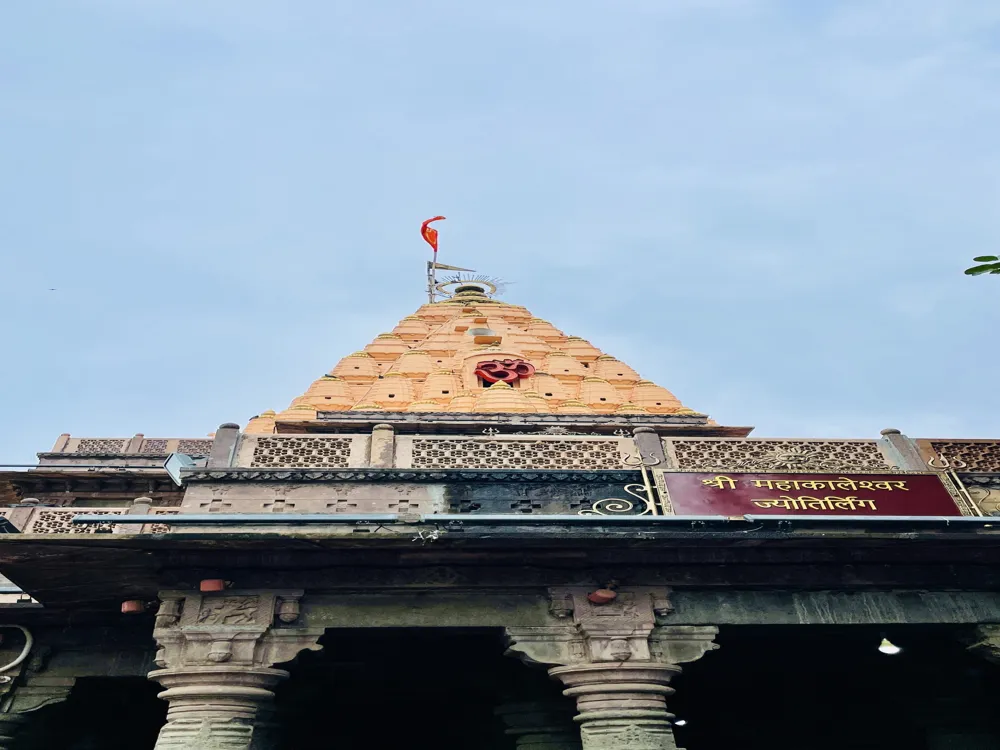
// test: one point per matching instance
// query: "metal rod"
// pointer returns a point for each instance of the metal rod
(513, 519)
(272, 519)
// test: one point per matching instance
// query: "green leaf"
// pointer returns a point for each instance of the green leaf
(988, 268)
(986, 258)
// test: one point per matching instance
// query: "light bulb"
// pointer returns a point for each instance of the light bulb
(888, 647)
(680, 722)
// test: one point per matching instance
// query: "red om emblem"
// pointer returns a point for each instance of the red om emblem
(507, 370)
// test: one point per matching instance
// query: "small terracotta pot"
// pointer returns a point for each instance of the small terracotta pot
(212, 584)
(133, 607)
(602, 596)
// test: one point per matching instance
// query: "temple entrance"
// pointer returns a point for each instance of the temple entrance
(414, 687)
(794, 687)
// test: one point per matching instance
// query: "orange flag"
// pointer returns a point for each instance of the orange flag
(430, 234)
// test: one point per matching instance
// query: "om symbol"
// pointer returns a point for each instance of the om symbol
(507, 370)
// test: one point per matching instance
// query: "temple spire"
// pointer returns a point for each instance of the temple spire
(446, 356)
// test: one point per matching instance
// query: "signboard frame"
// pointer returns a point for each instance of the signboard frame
(963, 503)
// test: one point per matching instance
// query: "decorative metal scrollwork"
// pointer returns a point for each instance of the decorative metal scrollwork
(645, 492)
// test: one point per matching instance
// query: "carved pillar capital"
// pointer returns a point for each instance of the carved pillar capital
(594, 631)
(616, 657)
(241, 628)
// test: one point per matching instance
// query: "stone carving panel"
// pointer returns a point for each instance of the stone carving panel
(291, 452)
(495, 453)
(229, 610)
(777, 455)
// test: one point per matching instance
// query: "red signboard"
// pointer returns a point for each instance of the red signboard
(737, 494)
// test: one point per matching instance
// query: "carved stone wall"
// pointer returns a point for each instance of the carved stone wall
(513, 453)
(775, 455)
(317, 497)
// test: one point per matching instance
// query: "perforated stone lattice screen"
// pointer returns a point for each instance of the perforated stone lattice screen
(101, 445)
(458, 453)
(194, 447)
(53, 521)
(154, 445)
(290, 452)
(730, 454)
(983, 457)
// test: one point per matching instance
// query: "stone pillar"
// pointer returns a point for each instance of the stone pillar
(901, 450)
(540, 725)
(216, 652)
(650, 447)
(224, 445)
(383, 447)
(616, 659)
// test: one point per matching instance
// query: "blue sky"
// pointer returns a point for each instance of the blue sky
(764, 205)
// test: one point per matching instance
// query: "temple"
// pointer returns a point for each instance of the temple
(481, 532)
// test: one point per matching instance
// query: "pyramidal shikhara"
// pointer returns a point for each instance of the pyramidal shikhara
(472, 353)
